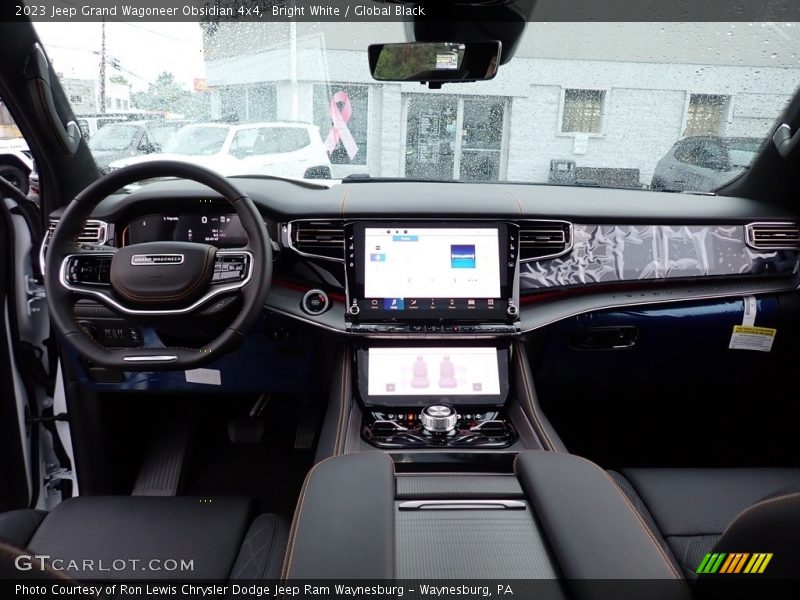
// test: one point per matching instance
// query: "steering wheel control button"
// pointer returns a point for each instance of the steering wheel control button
(90, 270)
(438, 418)
(315, 302)
(229, 267)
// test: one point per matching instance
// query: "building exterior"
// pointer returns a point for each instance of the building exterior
(84, 95)
(570, 97)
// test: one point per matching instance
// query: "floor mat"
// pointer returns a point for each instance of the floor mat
(271, 471)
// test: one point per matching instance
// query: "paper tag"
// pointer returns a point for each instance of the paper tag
(205, 376)
(750, 308)
(752, 338)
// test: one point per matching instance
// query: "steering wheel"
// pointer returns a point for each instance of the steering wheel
(156, 280)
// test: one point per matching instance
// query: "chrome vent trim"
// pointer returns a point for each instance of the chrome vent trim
(94, 231)
(317, 239)
(766, 236)
(539, 240)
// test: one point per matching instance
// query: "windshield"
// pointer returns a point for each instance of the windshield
(113, 137)
(196, 140)
(667, 106)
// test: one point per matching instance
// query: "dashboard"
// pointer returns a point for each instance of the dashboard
(437, 259)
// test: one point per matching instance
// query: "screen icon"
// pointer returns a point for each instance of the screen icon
(462, 256)
(377, 257)
(393, 304)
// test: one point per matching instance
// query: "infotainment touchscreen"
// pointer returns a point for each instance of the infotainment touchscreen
(425, 374)
(424, 271)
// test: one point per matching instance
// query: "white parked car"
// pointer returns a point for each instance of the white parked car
(282, 149)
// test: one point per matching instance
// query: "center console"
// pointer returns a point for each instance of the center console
(434, 395)
(435, 303)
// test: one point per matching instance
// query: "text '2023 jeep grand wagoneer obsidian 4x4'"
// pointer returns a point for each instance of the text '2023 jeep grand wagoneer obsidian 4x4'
(496, 300)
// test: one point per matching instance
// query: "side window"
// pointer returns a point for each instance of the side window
(159, 135)
(243, 142)
(277, 140)
(684, 151)
(711, 156)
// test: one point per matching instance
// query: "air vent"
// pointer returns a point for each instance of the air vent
(773, 236)
(544, 239)
(93, 231)
(321, 239)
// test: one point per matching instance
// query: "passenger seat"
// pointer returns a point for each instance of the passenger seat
(218, 538)
(697, 511)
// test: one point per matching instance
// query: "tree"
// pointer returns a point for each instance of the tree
(119, 79)
(167, 95)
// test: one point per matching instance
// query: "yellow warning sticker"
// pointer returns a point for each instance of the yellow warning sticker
(746, 337)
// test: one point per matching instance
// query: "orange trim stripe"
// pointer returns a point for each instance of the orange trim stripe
(728, 561)
(741, 562)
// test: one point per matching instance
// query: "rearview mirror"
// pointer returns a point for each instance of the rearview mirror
(435, 63)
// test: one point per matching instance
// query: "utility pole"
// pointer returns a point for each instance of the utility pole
(103, 67)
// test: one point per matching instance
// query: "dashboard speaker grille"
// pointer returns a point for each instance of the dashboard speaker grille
(773, 236)
(323, 239)
(545, 239)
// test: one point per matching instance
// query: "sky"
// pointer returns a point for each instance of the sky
(143, 50)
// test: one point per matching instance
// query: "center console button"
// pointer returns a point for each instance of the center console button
(315, 302)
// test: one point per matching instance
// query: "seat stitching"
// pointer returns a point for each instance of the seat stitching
(265, 567)
(642, 523)
(296, 519)
(287, 565)
(759, 505)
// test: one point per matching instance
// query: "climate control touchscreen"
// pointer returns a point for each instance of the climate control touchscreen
(429, 271)
(424, 375)
(433, 372)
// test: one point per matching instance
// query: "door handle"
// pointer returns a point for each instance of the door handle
(605, 338)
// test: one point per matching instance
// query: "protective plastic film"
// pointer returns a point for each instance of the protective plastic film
(608, 253)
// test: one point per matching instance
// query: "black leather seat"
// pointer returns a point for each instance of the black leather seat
(696, 511)
(126, 537)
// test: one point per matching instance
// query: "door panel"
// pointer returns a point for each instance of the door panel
(677, 396)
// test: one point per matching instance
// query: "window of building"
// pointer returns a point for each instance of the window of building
(248, 103)
(582, 111)
(341, 111)
(706, 114)
(452, 137)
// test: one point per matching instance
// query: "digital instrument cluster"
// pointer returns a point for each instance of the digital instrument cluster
(218, 229)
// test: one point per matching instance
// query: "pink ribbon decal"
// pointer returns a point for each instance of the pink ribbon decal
(340, 117)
